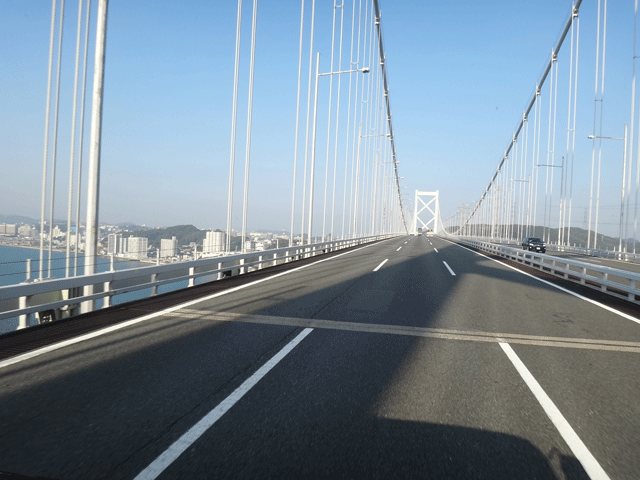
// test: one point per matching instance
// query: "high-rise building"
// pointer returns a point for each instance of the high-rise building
(27, 231)
(137, 247)
(214, 242)
(123, 245)
(8, 228)
(114, 241)
(168, 247)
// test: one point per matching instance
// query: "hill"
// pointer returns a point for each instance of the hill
(185, 234)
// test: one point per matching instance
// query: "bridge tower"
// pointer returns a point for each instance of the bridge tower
(428, 201)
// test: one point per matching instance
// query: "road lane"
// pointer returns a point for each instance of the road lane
(137, 383)
(506, 300)
(374, 407)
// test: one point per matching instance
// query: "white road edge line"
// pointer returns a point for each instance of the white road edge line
(88, 336)
(176, 449)
(449, 268)
(382, 263)
(594, 302)
(398, 249)
(584, 456)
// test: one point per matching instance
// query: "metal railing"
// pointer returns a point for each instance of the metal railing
(30, 297)
(613, 281)
(593, 252)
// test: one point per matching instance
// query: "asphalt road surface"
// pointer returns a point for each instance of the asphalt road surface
(409, 358)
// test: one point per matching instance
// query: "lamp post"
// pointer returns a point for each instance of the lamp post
(624, 179)
(313, 137)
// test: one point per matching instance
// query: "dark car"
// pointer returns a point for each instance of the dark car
(534, 244)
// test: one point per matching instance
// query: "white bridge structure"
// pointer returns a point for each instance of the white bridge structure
(429, 201)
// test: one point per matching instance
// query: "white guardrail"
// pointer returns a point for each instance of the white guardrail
(67, 294)
(613, 281)
(591, 252)
(622, 256)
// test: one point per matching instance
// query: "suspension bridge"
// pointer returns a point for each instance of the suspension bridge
(382, 338)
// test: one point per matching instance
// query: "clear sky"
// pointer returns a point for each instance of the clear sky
(460, 75)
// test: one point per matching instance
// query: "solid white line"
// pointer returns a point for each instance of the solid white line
(449, 268)
(398, 249)
(378, 267)
(612, 310)
(88, 336)
(436, 250)
(588, 461)
(156, 467)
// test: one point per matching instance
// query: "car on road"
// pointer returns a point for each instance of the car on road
(534, 244)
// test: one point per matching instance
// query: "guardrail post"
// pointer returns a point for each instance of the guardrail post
(286, 256)
(603, 287)
(219, 270)
(242, 269)
(154, 289)
(192, 280)
(22, 303)
(275, 259)
(582, 277)
(260, 257)
(107, 299)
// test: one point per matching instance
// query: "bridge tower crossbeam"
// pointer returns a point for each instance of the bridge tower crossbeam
(427, 201)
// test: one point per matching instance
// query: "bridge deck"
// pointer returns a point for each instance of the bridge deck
(408, 371)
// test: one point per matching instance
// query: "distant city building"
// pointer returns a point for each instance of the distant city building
(168, 247)
(112, 244)
(57, 232)
(27, 231)
(114, 241)
(137, 247)
(249, 245)
(214, 242)
(8, 228)
(123, 245)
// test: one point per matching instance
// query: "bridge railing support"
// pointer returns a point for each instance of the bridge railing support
(65, 294)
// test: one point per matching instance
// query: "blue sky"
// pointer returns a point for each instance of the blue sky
(460, 77)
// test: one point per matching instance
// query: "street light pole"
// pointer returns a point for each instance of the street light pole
(624, 180)
(313, 136)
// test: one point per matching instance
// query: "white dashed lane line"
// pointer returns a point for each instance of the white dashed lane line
(584, 456)
(381, 264)
(159, 465)
(449, 268)
(398, 249)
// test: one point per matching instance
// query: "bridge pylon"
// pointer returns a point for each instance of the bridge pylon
(430, 202)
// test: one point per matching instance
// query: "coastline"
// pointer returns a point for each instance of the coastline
(28, 247)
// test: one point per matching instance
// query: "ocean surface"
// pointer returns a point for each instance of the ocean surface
(13, 267)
